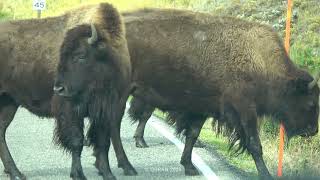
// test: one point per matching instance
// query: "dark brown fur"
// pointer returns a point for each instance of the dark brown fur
(198, 65)
(30, 50)
(95, 79)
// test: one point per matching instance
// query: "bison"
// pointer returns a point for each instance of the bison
(30, 50)
(196, 65)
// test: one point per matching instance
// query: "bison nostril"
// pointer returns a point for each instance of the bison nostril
(58, 89)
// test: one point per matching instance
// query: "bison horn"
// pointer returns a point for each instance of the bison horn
(315, 81)
(94, 35)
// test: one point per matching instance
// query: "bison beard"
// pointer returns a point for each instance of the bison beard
(100, 109)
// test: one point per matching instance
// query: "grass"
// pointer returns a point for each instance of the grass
(220, 143)
(302, 156)
(22, 9)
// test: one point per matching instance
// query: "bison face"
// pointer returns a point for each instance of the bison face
(301, 109)
(85, 63)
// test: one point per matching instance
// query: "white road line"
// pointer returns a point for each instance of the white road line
(162, 128)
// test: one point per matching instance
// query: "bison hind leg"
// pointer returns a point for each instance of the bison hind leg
(191, 124)
(181, 123)
(8, 109)
(140, 111)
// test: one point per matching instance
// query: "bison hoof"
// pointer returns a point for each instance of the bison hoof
(109, 177)
(15, 176)
(191, 172)
(130, 172)
(266, 177)
(78, 176)
(141, 143)
(20, 177)
(128, 169)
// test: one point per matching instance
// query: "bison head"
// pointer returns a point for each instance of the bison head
(301, 108)
(88, 62)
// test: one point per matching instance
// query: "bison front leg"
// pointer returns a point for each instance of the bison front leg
(69, 134)
(255, 149)
(74, 143)
(100, 137)
(140, 111)
(76, 167)
(123, 161)
(192, 134)
(248, 119)
(8, 109)
(115, 125)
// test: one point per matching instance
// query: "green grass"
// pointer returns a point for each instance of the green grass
(220, 143)
(22, 9)
(302, 156)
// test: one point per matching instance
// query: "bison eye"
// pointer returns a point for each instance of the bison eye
(80, 59)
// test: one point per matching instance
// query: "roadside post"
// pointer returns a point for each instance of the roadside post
(287, 47)
(39, 6)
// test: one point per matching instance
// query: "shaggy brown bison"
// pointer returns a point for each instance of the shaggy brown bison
(197, 65)
(96, 86)
(30, 50)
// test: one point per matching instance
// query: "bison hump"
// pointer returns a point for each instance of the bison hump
(109, 20)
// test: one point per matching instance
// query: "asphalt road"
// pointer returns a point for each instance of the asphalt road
(30, 141)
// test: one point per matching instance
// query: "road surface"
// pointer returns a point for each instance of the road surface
(30, 142)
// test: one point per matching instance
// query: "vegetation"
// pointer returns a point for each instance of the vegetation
(302, 155)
